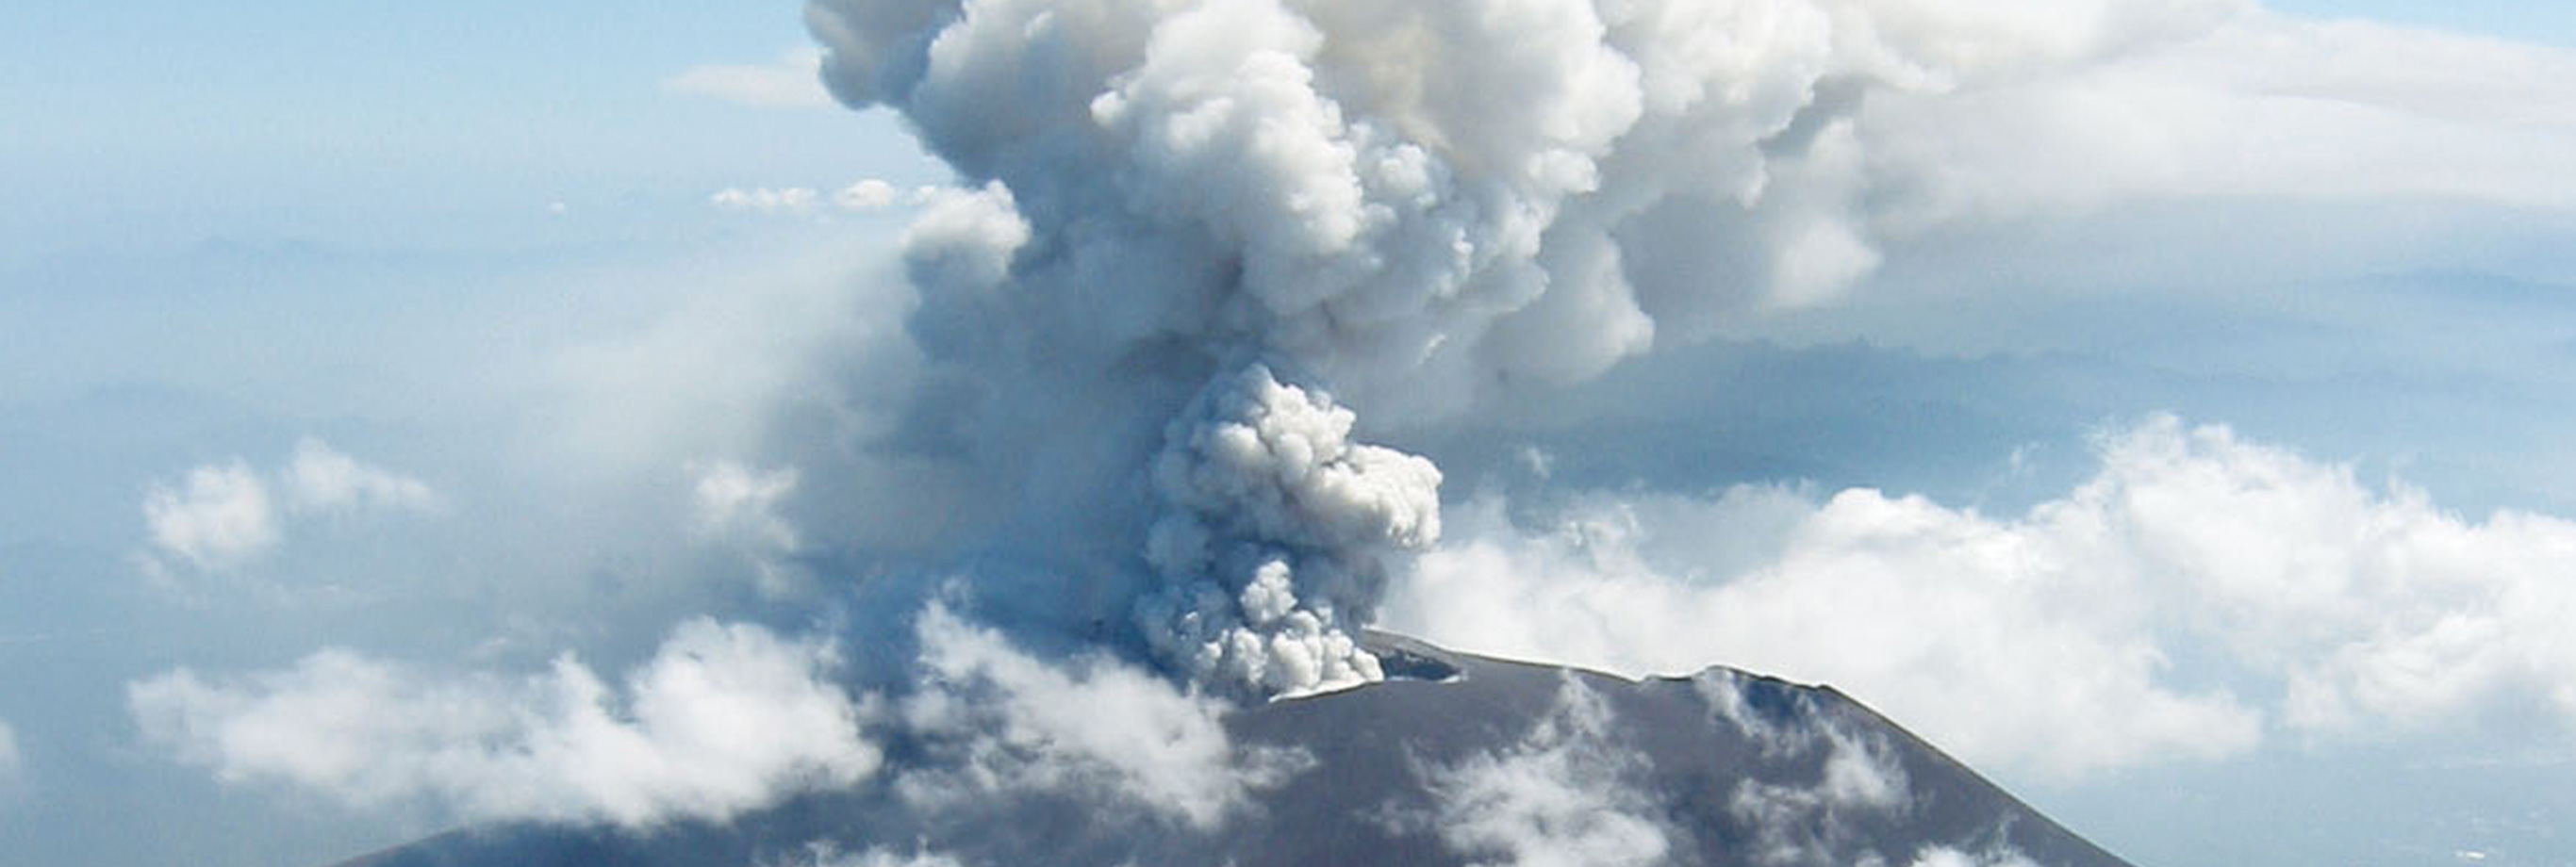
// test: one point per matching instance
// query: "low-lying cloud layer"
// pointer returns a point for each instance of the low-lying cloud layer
(2197, 593)
(726, 718)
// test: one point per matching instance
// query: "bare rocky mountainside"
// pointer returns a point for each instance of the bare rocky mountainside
(1456, 759)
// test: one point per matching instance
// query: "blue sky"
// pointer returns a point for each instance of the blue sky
(389, 125)
(463, 265)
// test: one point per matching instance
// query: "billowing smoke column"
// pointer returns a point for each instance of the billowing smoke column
(1415, 202)
(1271, 539)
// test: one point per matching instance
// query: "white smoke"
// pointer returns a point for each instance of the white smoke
(1421, 206)
(1435, 200)
(1271, 541)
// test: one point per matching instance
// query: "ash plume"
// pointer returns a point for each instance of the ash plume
(1272, 536)
(1413, 205)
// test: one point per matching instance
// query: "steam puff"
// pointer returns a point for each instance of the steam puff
(1275, 529)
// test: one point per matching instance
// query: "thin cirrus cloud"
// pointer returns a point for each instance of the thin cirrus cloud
(792, 81)
(823, 853)
(219, 516)
(2198, 593)
(866, 195)
(9, 760)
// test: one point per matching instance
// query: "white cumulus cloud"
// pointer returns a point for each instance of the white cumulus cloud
(726, 718)
(220, 516)
(2302, 599)
(867, 195)
(767, 200)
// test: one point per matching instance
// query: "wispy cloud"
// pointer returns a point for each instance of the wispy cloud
(825, 853)
(9, 758)
(1002, 720)
(791, 81)
(223, 515)
(322, 479)
(738, 507)
(1945, 856)
(1794, 822)
(866, 195)
(1562, 795)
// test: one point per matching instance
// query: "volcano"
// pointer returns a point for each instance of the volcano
(1455, 759)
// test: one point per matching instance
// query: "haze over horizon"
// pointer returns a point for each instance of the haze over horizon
(419, 416)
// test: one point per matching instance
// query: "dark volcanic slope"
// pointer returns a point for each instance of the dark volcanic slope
(1724, 768)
